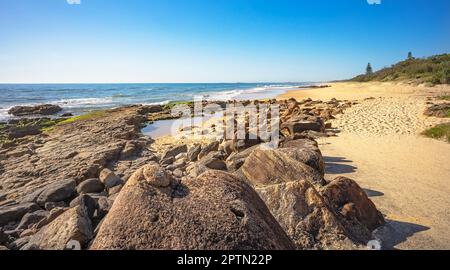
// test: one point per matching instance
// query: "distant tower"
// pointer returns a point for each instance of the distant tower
(410, 56)
(369, 70)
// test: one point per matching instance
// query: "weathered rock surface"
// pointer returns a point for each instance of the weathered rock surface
(212, 147)
(214, 211)
(109, 179)
(293, 127)
(305, 151)
(46, 109)
(54, 213)
(78, 150)
(16, 212)
(90, 186)
(19, 243)
(74, 224)
(31, 218)
(310, 211)
(4, 238)
(304, 215)
(236, 160)
(153, 175)
(194, 151)
(56, 192)
(438, 110)
(265, 167)
(174, 151)
(348, 199)
(212, 161)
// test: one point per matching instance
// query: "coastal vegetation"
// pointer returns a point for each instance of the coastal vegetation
(439, 132)
(172, 104)
(3, 137)
(16, 129)
(432, 70)
(86, 116)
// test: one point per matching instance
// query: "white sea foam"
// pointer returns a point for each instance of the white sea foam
(256, 92)
(165, 102)
(222, 96)
(3, 114)
(76, 105)
(82, 102)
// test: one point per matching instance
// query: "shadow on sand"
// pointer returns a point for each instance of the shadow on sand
(336, 165)
(397, 232)
(373, 193)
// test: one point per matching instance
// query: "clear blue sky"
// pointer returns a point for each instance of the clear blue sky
(213, 40)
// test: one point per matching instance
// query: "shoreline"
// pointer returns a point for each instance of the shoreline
(108, 96)
(373, 140)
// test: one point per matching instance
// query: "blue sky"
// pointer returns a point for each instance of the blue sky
(213, 40)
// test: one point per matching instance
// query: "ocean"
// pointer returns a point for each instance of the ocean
(82, 98)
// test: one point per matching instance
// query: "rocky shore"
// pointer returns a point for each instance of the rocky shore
(96, 182)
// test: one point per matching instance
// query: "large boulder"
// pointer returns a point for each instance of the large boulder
(287, 187)
(265, 167)
(304, 215)
(215, 211)
(72, 225)
(315, 215)
(46, 109)
(296, 126)
(305, 151)
(358, 213)
(301, 143)
(16, 212)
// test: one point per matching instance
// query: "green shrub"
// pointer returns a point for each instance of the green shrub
(439, 132)
(434, 70)
(83, 117)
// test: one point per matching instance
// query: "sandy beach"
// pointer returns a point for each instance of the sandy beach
(379, 144)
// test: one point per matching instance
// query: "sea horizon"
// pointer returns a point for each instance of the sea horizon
(79, 98)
